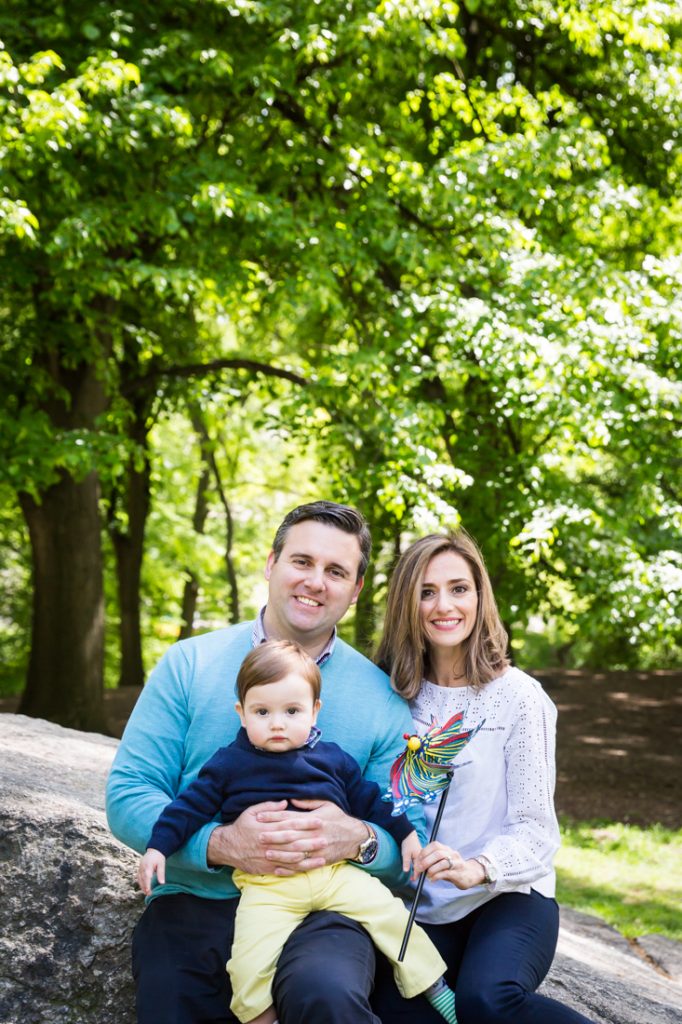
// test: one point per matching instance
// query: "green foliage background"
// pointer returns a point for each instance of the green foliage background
(423, 257)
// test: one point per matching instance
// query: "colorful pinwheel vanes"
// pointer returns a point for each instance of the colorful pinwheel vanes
(425, 766)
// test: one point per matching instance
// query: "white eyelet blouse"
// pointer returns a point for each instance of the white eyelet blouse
(501, 799)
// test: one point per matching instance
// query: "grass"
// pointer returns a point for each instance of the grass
(628, 876)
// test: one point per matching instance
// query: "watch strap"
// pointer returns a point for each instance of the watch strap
(490, 872)
(367, 850)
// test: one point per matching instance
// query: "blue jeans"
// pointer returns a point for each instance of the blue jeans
(497, 957)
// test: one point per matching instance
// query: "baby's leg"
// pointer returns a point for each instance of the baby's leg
(366, 900)
(269, 910)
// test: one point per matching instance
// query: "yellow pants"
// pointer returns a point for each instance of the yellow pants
(271, 907)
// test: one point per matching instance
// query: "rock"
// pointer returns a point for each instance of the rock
(68, 904)
(665, 953)
(67, 901)
(609, 979)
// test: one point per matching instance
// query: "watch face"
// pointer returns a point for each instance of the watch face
(368, 851)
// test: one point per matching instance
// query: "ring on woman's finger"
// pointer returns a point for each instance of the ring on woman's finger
(450, 864)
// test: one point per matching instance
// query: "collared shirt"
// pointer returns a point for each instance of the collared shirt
(259, 637)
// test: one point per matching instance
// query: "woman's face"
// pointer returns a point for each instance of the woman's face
(448, 601)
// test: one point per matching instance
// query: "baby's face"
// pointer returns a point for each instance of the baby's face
(279, 716)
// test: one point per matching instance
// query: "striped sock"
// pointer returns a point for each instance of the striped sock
(442, 999)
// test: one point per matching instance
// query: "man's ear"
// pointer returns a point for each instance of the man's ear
(358, 587)
(269, 564)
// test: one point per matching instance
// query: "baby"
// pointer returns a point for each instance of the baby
(278, 755)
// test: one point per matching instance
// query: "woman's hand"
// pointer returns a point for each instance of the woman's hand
(442, 864)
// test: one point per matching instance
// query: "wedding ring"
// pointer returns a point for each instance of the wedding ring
(450, 864)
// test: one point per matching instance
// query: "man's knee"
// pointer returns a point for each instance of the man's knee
(326, 973)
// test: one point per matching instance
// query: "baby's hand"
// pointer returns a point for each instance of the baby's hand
(153, 863)
(409, 848)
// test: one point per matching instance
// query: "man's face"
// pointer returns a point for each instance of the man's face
(312, 584)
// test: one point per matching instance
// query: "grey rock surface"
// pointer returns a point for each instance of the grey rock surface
(609, 979)
(68, 904)
(67, 901)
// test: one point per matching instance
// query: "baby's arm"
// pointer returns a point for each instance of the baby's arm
(153, 863)
(409, 848)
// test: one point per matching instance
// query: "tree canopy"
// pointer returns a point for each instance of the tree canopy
(437, 241)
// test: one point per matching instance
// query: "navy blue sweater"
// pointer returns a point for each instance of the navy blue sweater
(241, 775)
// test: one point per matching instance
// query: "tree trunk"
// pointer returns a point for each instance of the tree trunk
(129, 550)
(191, 591)
(208, 455)
(229, 561)
(365, 615)
(65, 671)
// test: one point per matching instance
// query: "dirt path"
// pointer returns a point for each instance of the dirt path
(618, 745)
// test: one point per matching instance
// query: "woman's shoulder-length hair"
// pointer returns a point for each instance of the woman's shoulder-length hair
(402, 650)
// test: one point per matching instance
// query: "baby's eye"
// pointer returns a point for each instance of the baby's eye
(262, 712)
(292, 711)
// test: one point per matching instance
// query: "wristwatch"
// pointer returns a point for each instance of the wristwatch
(368, 847)
(489, 868)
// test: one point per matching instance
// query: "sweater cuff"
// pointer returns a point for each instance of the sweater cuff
(194, 853)
(387, 865)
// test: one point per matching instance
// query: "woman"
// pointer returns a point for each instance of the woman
(488, 902)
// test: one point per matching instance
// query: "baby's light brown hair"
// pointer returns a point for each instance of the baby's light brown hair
(271, 661)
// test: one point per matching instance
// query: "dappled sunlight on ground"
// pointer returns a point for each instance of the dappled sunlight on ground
(618, 744)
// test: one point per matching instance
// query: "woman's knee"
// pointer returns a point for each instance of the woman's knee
(497, 1004)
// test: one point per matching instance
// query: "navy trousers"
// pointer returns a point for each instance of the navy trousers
(497, 956)
(182, 943)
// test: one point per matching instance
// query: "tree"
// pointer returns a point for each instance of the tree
(496, 280)
(423, 210)
(103, 168)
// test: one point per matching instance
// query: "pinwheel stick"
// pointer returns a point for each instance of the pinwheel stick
(420, 884)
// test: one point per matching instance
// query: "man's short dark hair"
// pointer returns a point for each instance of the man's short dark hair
(343, 517)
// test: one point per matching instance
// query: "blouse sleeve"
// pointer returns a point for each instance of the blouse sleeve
(525, 848)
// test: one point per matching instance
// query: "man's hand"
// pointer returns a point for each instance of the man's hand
(269, 839)
(342, 834)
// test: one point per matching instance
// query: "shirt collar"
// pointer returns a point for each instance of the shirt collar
(259, 637)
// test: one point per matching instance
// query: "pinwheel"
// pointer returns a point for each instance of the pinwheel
(425, 766)
(423, 770)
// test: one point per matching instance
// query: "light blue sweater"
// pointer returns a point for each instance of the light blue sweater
(186, 711)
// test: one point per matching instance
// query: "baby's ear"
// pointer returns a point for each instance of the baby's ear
(316, 708)
(240, 711)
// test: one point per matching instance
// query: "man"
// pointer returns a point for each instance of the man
(186, 711)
